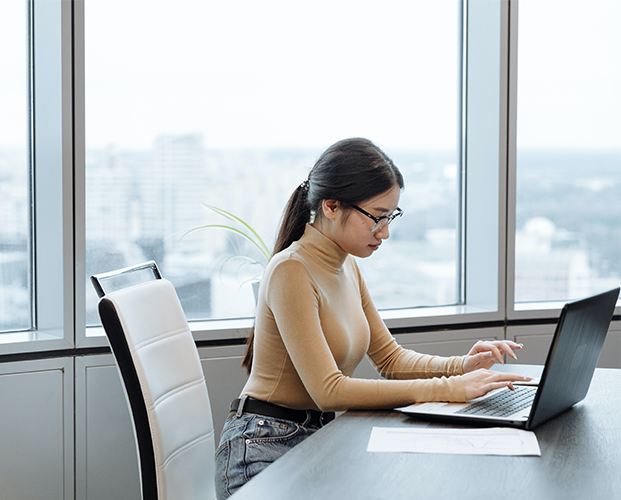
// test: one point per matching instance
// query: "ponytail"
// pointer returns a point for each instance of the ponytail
(350, 171)
(297, 213)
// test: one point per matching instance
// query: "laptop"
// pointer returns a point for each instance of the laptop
(571, 362)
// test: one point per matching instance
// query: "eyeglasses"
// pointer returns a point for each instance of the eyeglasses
(382, 220)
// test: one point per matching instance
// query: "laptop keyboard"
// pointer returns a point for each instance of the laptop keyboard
(502, 404)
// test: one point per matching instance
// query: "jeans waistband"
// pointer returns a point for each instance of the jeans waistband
(306, 417)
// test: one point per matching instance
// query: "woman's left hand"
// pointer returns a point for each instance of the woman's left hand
(485, 353)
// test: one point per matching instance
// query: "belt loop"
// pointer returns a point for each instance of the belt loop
(240, 408)
(309, 418)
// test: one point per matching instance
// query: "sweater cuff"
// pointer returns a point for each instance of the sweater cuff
(458, 389)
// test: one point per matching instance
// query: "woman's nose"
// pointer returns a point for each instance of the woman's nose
(383, 232)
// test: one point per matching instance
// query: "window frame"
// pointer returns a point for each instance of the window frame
(484, 95)
(52, 181)
(519, 312)
(487, 100)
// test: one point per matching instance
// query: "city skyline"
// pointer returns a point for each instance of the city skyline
(126, 222)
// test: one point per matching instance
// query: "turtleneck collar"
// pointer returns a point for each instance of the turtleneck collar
(326, 250)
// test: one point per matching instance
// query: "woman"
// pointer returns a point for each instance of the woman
(316, 321)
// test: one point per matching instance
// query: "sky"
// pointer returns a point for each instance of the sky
(293, 74)
(13, 75)
(275, 73)
(569, 73)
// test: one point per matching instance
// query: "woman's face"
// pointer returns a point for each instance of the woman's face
(352, 230)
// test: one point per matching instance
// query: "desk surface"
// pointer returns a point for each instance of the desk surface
(580, 459)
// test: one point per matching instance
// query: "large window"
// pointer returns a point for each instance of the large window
(568, 234)
(15, 261)
(229, 104)
(138, 113)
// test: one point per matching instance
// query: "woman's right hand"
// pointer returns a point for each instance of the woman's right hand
(479, 382)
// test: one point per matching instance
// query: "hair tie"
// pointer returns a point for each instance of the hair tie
(305, 185)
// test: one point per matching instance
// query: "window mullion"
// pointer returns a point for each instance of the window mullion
(52, 172)
(485, 155)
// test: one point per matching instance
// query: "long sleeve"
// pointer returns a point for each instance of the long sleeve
(312, 330)
(393, 361)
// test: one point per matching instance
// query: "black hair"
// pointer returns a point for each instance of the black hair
(350, 171)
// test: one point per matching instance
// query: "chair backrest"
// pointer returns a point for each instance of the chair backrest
(165, 388)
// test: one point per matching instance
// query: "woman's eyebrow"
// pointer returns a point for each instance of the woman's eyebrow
(383, 210)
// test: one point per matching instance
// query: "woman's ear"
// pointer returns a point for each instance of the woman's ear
(330, 208)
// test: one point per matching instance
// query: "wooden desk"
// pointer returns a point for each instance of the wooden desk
(580, 459)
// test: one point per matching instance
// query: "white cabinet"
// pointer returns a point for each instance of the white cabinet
(537, 340)
(106, 460)
(36, 430)
(225, 379)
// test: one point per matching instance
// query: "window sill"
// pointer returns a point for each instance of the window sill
(202, 330)
(414, 318)
(223, 330)
(30, 341)
(434, 316)
(543, 310)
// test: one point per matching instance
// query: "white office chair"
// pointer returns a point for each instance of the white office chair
(164, 385)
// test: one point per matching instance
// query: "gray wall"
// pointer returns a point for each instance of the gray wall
(65, 430)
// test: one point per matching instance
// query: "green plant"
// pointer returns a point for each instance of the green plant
(247, 232)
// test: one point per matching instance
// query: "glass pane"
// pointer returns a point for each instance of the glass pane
(15, 286)
(230, 103)
(568, 241)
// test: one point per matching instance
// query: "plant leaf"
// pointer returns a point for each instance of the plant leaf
(256, 239)
(262, 249)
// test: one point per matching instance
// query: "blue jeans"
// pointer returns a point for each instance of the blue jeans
(249, 443)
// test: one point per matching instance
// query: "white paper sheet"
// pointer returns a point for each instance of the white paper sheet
(491, 441)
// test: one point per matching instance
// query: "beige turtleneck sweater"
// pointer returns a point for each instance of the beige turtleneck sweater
(316, 321)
